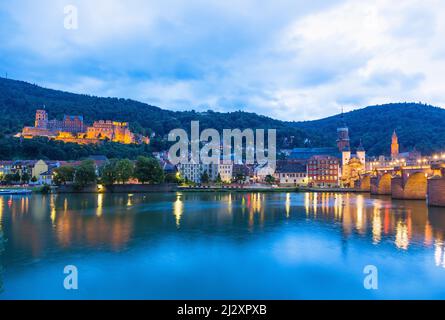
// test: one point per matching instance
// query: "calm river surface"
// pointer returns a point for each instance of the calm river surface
(221, 246)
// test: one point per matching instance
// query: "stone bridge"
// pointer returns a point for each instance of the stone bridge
(411, 182)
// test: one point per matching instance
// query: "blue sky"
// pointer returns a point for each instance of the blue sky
(289, 59)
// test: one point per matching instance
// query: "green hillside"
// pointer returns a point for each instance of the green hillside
(19, 100)
(417, 125)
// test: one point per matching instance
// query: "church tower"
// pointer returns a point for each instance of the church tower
(343, 136)
(394, 146)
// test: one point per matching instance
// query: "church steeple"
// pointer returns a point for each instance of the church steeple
(360, 147)
(343, 135)
(394, 146)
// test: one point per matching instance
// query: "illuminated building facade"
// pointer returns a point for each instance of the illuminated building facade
(400, 159)
(73, 129)
(291, 174)
(194, 171)
(323, 171)
(353, 165)
(111, 130)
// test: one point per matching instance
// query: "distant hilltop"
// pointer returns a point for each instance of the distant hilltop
(418, 125)
(73, 129)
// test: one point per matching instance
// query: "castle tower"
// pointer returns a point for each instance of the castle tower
(394, 146)
(343, 135)
(41, 119)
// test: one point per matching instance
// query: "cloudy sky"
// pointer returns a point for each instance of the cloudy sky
(289, 59)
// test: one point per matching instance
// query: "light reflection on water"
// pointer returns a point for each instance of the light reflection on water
(292, 242)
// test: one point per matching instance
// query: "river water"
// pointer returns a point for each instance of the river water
(221, 246)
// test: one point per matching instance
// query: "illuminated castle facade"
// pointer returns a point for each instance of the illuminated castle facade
(72, 129)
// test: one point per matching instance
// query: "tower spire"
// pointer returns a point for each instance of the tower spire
(394, 146)
(360, 146)
(342, 134)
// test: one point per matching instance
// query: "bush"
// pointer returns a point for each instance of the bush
(85, 174)
(148, 170)
(45, 189)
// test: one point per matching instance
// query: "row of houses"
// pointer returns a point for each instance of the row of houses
(40, 172)
(317, 171)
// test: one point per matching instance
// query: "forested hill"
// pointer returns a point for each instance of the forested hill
(19, 101)
(417, 125)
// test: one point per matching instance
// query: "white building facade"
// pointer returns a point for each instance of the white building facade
(194, 171)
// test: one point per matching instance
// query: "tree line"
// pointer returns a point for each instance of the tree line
(46, 149)
(19, 101)
(145, 170)
(17, 178)
(418, 125)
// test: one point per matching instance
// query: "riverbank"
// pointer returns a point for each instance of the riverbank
(30, 189)
(169, 187)
(268, 189)
(235, 189)
(337, 190)
(119, 188)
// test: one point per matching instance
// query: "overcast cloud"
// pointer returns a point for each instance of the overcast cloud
(289, 59)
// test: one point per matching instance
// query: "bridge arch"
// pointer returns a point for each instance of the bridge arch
(365, 183)
(416, 186)
(384, 184)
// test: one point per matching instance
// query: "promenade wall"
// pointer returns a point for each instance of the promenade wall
(120, 188)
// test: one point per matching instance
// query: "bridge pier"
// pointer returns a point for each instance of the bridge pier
(408, 183)
(409, 187)
(381, 185)
(365, 184)
(374, 185)
(436, 191)
(397, 191)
